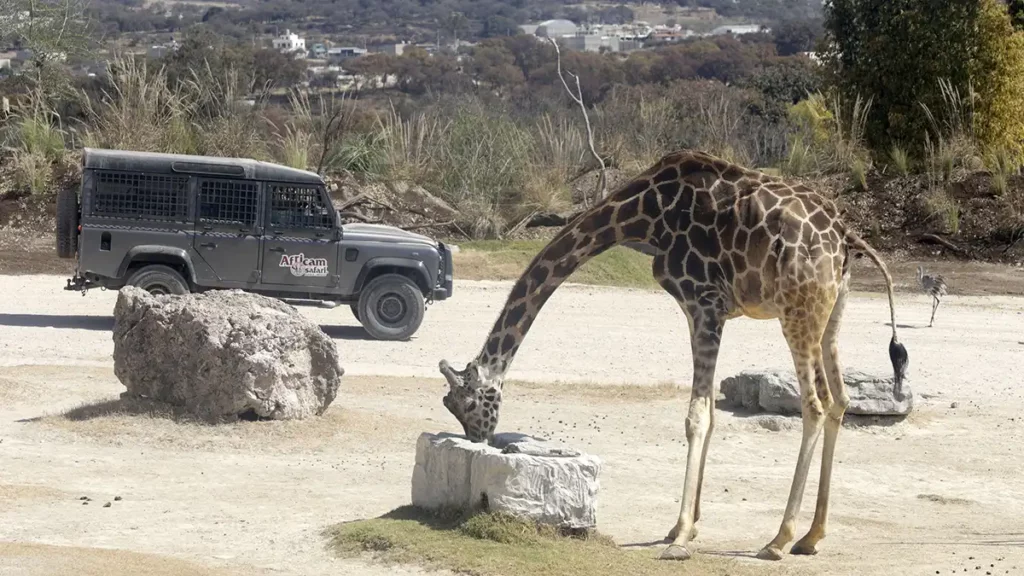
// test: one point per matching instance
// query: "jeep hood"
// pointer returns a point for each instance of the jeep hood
(381, 233)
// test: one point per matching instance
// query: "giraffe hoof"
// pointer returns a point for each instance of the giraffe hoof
(803, 549)
(675, 552)
(769, 553)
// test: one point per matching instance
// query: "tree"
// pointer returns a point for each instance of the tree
(54, 31)
(795, 36)
(998, 75)
(784, 82)
(494, 64)
(1016, 10)
(895, 52)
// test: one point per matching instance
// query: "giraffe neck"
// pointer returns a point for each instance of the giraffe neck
(592, 233)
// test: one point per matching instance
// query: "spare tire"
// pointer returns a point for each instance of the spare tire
(67, 222)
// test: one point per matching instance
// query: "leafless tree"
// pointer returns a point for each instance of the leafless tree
(577, 97)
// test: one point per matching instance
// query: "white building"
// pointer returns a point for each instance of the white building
(289, 42)
(737, 29)
(556, 29)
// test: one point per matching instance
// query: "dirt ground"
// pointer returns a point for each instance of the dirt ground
(937, 493)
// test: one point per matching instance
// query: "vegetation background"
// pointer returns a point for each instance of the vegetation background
(910, 112)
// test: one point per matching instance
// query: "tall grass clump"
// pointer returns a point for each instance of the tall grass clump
(829, 137)
(407, 145)
(899, 160)
(205, 113)
(37, 137)
(138, 110)
(951, 143)
(483, 163)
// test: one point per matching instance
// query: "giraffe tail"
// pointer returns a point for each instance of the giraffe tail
(897, 351)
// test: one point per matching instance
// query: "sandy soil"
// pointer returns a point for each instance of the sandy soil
(939, 491)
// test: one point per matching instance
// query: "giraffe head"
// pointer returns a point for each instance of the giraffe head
(474, 397)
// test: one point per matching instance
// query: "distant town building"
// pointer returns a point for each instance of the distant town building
(290, 43)
(738, 29)
(392, 49)
(342, 53)
(556, 29)
(596, 43)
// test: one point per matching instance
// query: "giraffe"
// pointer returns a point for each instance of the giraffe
(728, 241)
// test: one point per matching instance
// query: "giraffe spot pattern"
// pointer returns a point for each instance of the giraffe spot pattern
(724, 234)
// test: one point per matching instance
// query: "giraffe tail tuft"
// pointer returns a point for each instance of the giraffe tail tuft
(897, 352)
(900, 359)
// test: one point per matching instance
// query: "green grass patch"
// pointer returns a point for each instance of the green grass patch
(489, 544)
(507, 260)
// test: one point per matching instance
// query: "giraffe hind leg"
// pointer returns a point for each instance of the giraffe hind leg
(833, 423)
(705, 341)
(804, 338)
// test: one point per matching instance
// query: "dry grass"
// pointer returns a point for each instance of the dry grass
(506, 260)
(132, 422)
(603, 392)
(496, 545)
(80, 561)
(12, 493)
(944, 210)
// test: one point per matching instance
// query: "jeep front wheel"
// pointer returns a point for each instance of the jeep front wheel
(391, 307)
(159, 279)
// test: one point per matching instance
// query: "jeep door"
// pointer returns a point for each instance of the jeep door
(300, 251)
(227, 233)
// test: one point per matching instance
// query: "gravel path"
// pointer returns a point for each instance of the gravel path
(925, 493)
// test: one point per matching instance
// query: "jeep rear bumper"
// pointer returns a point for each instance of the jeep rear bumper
(79, 283)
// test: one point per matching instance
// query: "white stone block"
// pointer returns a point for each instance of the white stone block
(521, 476)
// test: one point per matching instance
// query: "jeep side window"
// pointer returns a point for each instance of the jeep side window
(298, 207)
(136, 196)
(228, 202)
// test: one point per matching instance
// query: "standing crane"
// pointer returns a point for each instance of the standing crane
(934, 285)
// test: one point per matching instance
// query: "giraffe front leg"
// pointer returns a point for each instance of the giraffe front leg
(705, 340)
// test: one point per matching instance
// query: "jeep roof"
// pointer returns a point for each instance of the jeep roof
(158, 163)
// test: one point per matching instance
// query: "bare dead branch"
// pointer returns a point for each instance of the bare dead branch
(934, 239)
(578, 99)
(521, 224)
(349, 203)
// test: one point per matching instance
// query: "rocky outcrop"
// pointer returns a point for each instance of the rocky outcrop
(517, 475)
(224, 355)
(779, 392)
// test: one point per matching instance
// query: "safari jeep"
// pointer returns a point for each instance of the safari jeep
(173, 224)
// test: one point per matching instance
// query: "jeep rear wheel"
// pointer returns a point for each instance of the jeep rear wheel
(355, 310)
(159, 279)
(67, 222)
(391, 307)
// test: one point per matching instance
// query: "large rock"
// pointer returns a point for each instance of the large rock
(779, 392)
(224, 355)
(518, 475)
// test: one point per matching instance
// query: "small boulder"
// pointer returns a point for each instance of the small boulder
(223, 355)
(518, 475)
(778, 392)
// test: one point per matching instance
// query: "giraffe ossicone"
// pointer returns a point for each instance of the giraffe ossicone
(727, 241)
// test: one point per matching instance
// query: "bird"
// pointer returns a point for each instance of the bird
(935, 286)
